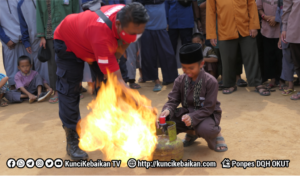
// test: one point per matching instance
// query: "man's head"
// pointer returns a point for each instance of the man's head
(131, 21)
(191, 59)
(24, 64)
(198, 38)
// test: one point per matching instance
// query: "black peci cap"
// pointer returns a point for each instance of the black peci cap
(190, 53)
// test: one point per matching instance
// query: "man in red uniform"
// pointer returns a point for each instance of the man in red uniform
(86, 37)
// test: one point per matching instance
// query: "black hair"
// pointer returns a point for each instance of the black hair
(24, 57)
(134, 12)
(198, 35)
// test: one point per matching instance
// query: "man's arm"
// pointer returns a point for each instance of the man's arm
(167, 7)
(23, 28)
(40, 18)
(287, 8)
(3, 36)
(253, 15)
(211, 19)
(75, 6)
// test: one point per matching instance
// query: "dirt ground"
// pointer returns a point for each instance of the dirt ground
(254, 127)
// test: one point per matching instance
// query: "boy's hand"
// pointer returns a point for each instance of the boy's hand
(213, 42)
(187, 120)
(11, 45)
(165, 113)
(29, 50)
(43, 42)
(32, 97)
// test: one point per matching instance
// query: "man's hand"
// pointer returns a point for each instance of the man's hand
(213, 42)
(253, 33)
(283, 36)
(29, 50)
(199, 26)
(187, 120)
(43, 42)
(11, 45)
(272, 21)
(167, 28)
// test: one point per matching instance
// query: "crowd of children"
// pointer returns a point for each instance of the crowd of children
(33, 24)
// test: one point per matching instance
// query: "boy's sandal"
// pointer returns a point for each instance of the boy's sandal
(54, 100)
(296, 97)
(262, 93)
(3, 103)
(141, 80)
(220, 138)
(134, 86)
(189, 140)
(241, 83)
(282, 87)
(288, 92)
(230, 91)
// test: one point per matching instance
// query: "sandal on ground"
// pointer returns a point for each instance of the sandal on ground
(282, 87)
(134, 86)
(221, 87)
(157, 88)
(288, 92)
(54, 100)
(3, 103)
(189, 140)
(270, 86)
(220, 138)
(141, 80)
(262, 93)
(296, 97)
(230, 91)
(241, 83)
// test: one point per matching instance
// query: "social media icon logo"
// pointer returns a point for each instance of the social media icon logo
(226, 163)
(30, 163)
(20, 163)
(11, 163)
(39, 163)
(131, 163)
(49, 163)
(58, 163)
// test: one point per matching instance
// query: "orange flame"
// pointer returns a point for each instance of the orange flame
(121, 124)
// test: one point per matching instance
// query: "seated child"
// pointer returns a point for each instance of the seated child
(210, 58)
(29, 84)
(3, 89)
(197, 92)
